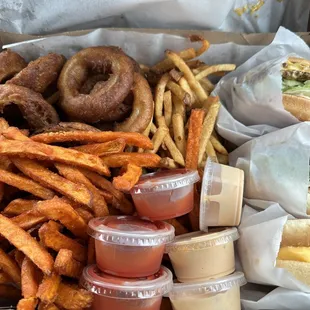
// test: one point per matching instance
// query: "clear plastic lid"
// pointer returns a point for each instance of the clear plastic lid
(199, 240)
(103, 284)
(210, 286)
(165, 180)
(130, 231)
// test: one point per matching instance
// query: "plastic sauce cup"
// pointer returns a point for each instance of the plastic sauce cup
(126, 294)
(221, 196)
(202, 256)
(223, 293)
(130, 247)
(165, 194)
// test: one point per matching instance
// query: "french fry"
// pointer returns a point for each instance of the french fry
(168, 108)
(168, 163)
(211, 152)
(158, 138)
(146, 133)
(50, 236)
(19, 206)
(5, 278)
(179, 92)
(84, 214)
(27, 304)
(36, 171)
(25, 184)
(223, 159)
(207, 85)
(9, 266)
(194, 84)
(208, 125)
(58, 210)
(179, 132)
(175, 74)
(194, 133)
(47, 291)
(123, 159)
(159, 96)
(91, 253)
(29, 219)
(205, 43)
(218, 146)
(3, 125)
(25, 243)
(129, 179)
(101, 149)
(19, 257)
(66, 265)
(178, 107)
(184, 84)
(43, 306)
(29, 278)
(71, 298)
(213, 69)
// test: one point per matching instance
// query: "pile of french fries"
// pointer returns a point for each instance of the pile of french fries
(182, 130)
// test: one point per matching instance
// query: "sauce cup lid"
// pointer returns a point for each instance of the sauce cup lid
(208, 287)
(165, 180)
(103, 284)
(199, 240)
(130, 231)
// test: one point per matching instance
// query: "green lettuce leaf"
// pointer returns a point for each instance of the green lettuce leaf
(296, 88)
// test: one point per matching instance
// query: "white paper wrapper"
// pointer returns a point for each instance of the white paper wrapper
(259, 244)
(276, 168)
(257, 297)
(44, 16)
(252, 95)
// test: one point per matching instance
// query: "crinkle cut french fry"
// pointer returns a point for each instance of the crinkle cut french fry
(9, 266)
(19, 206)
(218, 146)
(129, 179)
(29, 278)
(168, 107)
(25, 243)
(179, 92)
(47, 291)
(179, 132)
(159, 96)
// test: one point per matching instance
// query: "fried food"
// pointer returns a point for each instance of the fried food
(34, 170)
(55, 153)
(69, 126)
(105, 96)
(27, 304)
(194, 133)
(25, 184)
(179, 92)
(29, 278)
(159, 95)
(123, 159)
(159, 136)
(102, 149)
(168, 163)
(213, 69)
(9, 266)
(129, 179)
(58, 210)
(40, 73)
(43, 306)
(66, 265)
(71, 298)
(50, 236)
(37, 112)
(131, 138)
(29, 219)
(179, 132)
(19, 206)
(84, 214)
(211, 152)
(142, 108)
(25, 243)
(168, 107)
(47, 291)
(5, 278)
(218, 146)
(10, 64)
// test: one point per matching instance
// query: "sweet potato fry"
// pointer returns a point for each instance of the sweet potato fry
(9, 292)
(43, 306)
(39, 173)
(66, 265)
(19, 257)
(71, 298)
(29, 219)
(131, 138)
(194, 133)
(9, 266)
(129, 179)
(91, 254)
(179, 92)
(29, 278)
(58, 210)
(25, 184)
(84, 214)
(5, 278)
(123, 159)
(73, 174)
(50, 236)
(47, 291)
(101, 149)
(19, 206)
(47, 152)
(27, 304)
(120, 202)
(25, 243)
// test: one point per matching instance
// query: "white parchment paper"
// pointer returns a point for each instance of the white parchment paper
(259, 244)
(44, 16)
(276, 168)
(252, 96)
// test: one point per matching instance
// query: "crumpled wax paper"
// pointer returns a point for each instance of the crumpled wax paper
(276, 168)
(44, 16)
(252, 94)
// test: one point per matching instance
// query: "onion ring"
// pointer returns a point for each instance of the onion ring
(106, 95)
(143, 107)
(10, 64)
(38, 112)
(40, 73)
